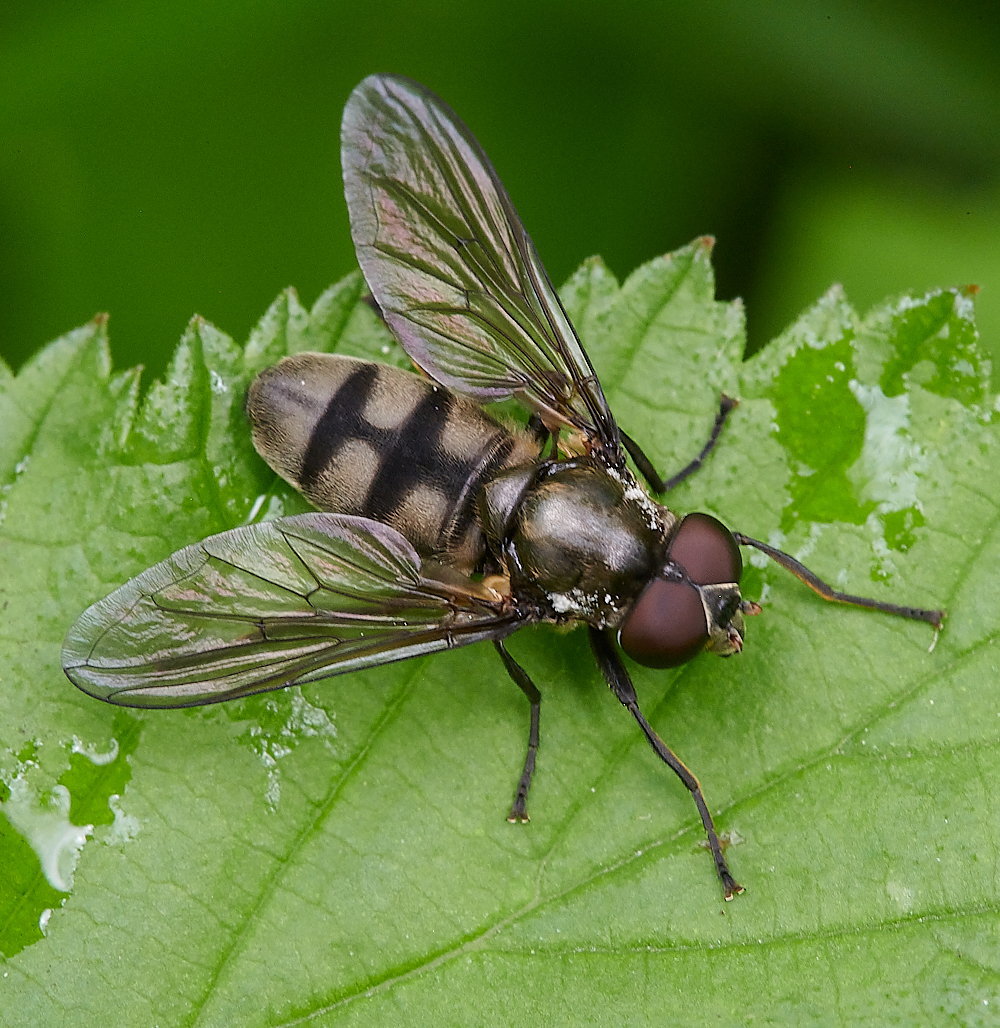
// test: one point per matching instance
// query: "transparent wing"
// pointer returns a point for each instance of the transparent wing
(271, 605)
(450, 264)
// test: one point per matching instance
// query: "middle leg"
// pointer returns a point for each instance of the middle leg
(519, 808)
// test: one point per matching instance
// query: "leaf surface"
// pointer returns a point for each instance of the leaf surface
(339, 854)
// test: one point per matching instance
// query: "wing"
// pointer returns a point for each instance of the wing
(450, 264)
(270, 605)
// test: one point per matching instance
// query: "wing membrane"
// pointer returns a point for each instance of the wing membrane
(270, 605)
(450, 264)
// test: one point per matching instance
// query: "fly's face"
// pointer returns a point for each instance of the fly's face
(693, 603)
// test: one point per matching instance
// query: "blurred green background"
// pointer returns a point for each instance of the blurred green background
(163, 158)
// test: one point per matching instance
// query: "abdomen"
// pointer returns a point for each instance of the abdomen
(356, 437)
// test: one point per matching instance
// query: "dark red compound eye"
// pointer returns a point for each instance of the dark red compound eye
(707, 551)
(668, 625)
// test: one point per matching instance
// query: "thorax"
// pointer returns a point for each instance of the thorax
(581, 539)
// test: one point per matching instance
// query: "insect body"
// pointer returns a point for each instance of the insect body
(441, 526)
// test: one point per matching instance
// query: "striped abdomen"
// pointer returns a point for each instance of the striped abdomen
(361, 438)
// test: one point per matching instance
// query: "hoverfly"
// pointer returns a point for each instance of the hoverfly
(441, 526)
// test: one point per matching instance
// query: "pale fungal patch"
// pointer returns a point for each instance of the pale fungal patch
(757, 559)
(255, 509)
(47, 828)
(879, 545)
(90, 752)
(805, 550)
(303, 721)
(309, 721)
(563, 603)
(761, 560)
(891, 463)
(125, 827)
(965, 307)
(19, 468)
(901, 896)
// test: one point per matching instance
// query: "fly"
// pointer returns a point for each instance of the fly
(440, 525)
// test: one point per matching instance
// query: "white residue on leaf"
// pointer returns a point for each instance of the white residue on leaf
(275, 508)
(965, 307)
(761, 560)
(879, 545)
(19, 468)
(255, 509)
(89, 750)
(900, 895)
(907, 303)
(217, 384)
(303, 721)
(888, 471)
(272, 794)
(307, 720)
(46, 827)
(125, 827)
(805, 550)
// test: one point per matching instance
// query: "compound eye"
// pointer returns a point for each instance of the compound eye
(666, 627)
(707, 551)
(668, 624)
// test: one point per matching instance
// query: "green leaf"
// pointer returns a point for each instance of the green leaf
(339, 853)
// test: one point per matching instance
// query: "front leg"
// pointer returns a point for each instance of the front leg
(645, 465)
(617, 677)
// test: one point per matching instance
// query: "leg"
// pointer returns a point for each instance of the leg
(621, 685)
(519, 808)
(803, 574)
(645, 466)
